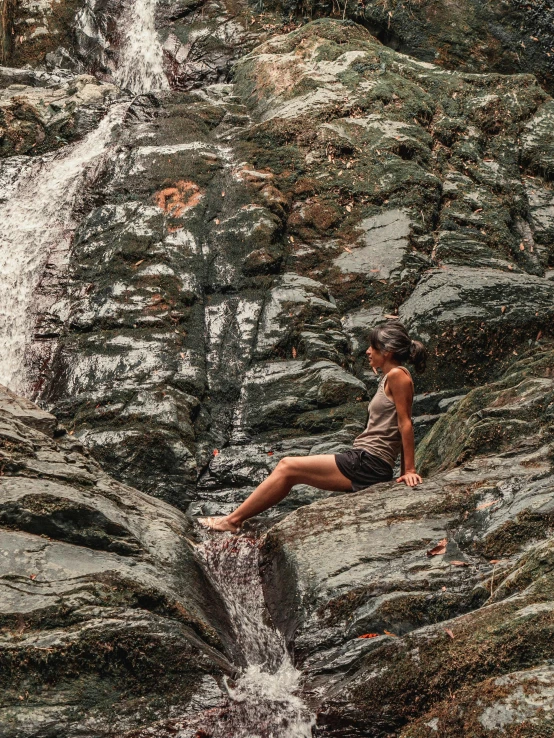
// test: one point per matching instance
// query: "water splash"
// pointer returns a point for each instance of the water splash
(264, 699)
(36, 217)
(140, 66)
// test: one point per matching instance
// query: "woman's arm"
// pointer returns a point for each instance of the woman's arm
(400, 387)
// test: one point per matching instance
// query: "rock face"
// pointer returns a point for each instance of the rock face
(450, 583)
(40, 111)
(506, 36)
(290, 188)
(101, 595)
(243, 239)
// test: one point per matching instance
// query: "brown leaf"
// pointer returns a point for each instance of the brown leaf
(387, 632)
(450, 633)
(215, 452)
(33, 576)
(370, 635)
(495, 561)
(270, 453)
(347, 249)
(484, 505)
(439, 549)
(459, 563)
(293, 353)
(138, 263)
(392, 317)
(539, 336)
(503, 309)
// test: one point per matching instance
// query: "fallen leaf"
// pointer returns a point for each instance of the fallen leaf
(479, 210)
(293, 353)
(182, 355)
(215, 452)
(217, 221)
(387, 632)
(439, 549)
(484, 505)
(349, 208)
(443, 589)
(539, 336)
(522, 246)
(270, 453)
(370, 635)
(33, 576)
(459, 563)
(222, 194)
(138, 263)
(392, 317)
(347, 249)
(495, 561)
(450, 633)
(503, 309)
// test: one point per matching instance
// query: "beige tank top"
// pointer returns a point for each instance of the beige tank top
(382, 436)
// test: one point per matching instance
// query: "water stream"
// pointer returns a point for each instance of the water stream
(263, 701)
(36, 211)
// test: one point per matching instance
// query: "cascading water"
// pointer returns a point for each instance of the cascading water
(36, 212)
(140, 67)
(264, 701)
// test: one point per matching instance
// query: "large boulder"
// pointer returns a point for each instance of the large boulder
(101, 594)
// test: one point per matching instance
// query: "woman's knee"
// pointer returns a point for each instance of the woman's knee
(286, 466)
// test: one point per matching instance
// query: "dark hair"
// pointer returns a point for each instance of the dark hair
(393, 336)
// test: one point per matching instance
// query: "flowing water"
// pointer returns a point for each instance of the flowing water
(140, 67)
(263, 701)
(36, 214)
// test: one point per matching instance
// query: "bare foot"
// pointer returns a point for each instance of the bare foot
(220, 524)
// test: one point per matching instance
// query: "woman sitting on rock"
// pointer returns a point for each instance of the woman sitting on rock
(389, 431)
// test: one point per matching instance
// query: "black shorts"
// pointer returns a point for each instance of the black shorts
(362, 468)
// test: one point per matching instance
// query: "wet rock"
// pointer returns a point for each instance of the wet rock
(457, 303)
(98, 573)
(244, 234)
(50, 112)
(513, 412)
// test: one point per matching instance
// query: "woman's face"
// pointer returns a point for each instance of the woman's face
(376, 357)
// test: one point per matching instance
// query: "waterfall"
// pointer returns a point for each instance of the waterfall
(36, 211)
(140, 67)
(263, 701)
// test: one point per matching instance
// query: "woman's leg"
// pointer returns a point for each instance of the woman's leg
(319, 471)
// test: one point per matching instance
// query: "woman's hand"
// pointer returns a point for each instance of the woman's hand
(410, 478)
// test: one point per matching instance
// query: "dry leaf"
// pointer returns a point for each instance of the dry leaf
(217, 221)
(392, 317)
(270, 453)
(450, 633)
(503, 309)
(139, 262)
(293, 353)
(439, 549)
(370, 635)
(459, 563)
(347, 249)
(215, 452)
(387, 632)
(484, 505)
(33, 576)
(522, 246)
(539, 336)
(495, 561)
(479, 210)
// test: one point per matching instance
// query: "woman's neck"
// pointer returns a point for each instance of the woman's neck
(388, 365)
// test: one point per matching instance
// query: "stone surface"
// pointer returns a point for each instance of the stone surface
(94, 573)
(45, 111)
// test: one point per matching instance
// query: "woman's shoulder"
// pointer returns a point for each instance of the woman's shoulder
(400, 377)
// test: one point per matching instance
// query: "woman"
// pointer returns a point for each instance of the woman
(389, 431)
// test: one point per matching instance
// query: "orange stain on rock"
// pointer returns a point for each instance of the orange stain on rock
(175, 200)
